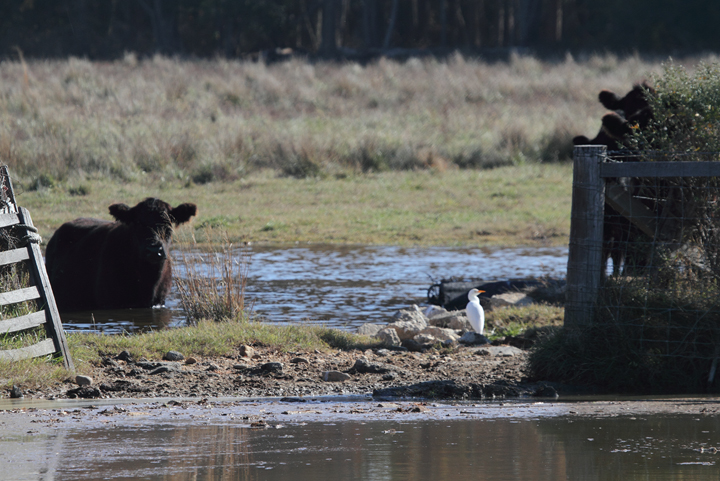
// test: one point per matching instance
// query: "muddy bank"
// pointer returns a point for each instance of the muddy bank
(466, 372)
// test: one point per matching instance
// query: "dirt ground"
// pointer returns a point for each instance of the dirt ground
(468, 372)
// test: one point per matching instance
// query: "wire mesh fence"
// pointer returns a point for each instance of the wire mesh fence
(661, 259)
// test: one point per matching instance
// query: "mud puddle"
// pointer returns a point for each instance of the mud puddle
(360, 439)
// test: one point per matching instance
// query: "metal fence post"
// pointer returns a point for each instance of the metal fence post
(585, 262)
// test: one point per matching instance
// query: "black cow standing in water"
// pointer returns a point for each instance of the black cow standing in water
(98, 264)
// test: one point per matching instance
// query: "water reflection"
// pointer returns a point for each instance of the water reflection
(658, 447)
(342, 285)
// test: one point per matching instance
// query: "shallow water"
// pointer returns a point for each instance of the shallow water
(535, 441)
(342, 285)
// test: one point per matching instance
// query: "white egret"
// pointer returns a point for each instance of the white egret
(475, 312)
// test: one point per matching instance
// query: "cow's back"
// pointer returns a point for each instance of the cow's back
(72, 258)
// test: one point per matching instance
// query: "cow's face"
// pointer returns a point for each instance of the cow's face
(151, 222)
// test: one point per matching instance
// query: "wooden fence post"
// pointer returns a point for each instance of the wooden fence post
(584, 271)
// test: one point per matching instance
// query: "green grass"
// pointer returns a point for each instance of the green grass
(507, 206)
(514, 321)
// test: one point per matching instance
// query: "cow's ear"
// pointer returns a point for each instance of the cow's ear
(610, 100)
(182, 213)
(121, 212)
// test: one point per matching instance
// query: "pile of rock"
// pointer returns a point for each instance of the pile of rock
(417, 330)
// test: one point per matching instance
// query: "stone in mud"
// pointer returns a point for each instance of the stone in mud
(363, 366)
(433, 311)
(368, 329)
(124, 356)
(389, 337)
(441, 334)
(84, 392)
(273, 367)
(163, 369)
(83, 380)
(409, 322)
(173, 356)
(293, 400)
(247, 351)
(335, 376)
(456, 320)
(425, 340)
(16, 393)
(473, 338)
(110, 362)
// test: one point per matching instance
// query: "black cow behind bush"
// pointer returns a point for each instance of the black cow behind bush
(97, 264)
(628, 112)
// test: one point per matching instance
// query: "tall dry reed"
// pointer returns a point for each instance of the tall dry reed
(211, 283)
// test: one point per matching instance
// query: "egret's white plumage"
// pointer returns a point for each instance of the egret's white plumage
(475, 312)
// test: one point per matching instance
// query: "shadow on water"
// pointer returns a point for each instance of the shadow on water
(341, 286)
(503, 447)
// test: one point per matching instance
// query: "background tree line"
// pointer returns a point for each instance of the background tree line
(105, 29)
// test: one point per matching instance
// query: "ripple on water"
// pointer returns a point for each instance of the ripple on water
(342, 285)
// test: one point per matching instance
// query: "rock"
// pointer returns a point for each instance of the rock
(247, 351)
(425, 340)
(110, 362)
(274, 367)
(299, 360)
(83, 380)
(368, 329)
(499, 351)
(363, 366)
(409, 322)
(16, 393)
(124, 356)
(472, 337)
(173, 356)
(293, 400)
(453, 320)
(190, 360)
(334, 376)
(516, 299)
(389, 337)
(84, 392)
(414, 346)
(433, 311)
(163, 369)
(441, 334)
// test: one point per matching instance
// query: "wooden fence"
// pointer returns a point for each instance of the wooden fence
(594, 185)
(26, 250)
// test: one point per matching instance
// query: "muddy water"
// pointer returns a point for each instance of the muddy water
(360, 441)
(342, 286)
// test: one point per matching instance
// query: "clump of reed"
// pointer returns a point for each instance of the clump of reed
(211, 282)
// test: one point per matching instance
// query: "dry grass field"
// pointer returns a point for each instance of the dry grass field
(424, 152)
